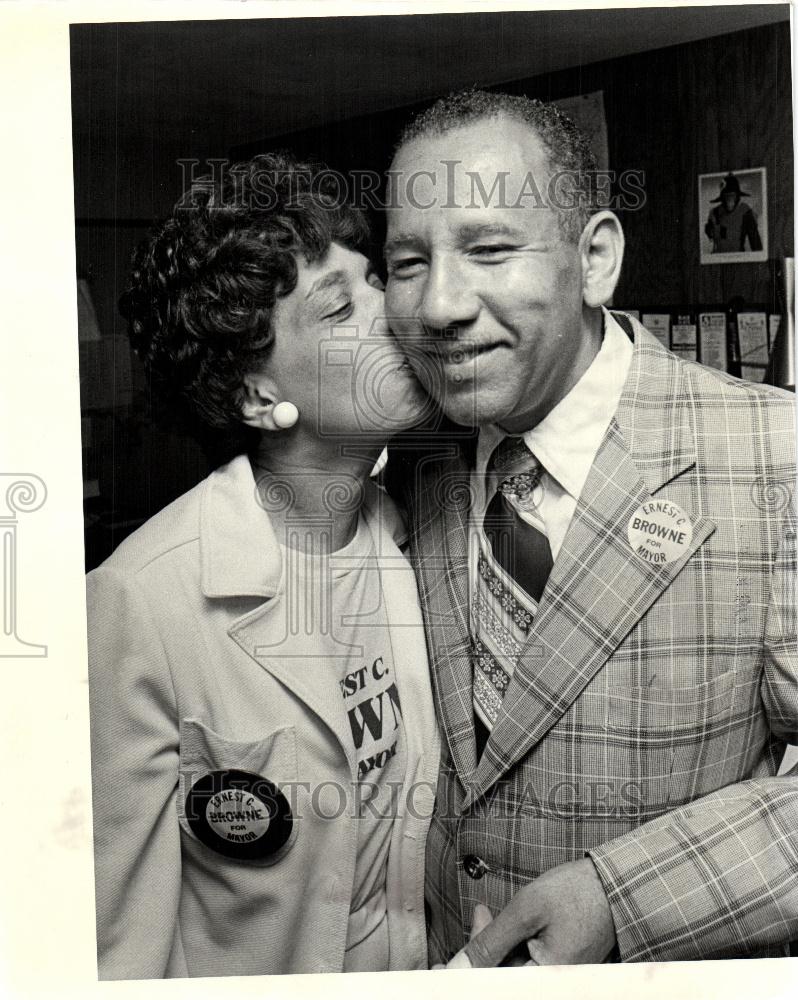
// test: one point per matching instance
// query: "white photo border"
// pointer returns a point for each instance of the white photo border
(47, 934)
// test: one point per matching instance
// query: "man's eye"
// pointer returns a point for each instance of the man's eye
(405, 266)
(491, 248)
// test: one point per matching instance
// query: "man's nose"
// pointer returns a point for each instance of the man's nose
(447, 301)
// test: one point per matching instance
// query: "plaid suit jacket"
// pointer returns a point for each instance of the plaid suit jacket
(650, 709)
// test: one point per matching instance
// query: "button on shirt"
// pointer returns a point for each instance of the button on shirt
(565, 442)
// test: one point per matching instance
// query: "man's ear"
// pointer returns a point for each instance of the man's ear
(259, 396)
(601, 250)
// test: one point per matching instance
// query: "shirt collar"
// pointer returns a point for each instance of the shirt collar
(566, 441)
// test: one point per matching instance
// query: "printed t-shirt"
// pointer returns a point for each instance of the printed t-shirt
(346, 636)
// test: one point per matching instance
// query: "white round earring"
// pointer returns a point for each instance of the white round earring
(285, 415)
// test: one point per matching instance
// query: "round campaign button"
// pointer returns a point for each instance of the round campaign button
(239, 814)
(660, 531)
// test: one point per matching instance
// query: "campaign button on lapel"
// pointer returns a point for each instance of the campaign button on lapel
(660, 532)
(239, 814)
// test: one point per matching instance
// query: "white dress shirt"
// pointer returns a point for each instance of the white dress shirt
(566, 441)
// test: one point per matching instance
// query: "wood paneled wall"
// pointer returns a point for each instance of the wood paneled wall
(719, 104)
(714, 105)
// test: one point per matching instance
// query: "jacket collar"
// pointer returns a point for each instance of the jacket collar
(656, 412)
(239, 552)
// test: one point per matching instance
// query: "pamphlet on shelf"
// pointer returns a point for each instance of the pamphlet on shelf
(684, 337)
(713, 349)
(752, 335)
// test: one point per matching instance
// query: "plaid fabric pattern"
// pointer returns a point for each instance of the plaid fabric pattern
(650, 705)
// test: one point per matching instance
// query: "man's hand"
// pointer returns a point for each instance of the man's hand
(480, 919)
(563, 917)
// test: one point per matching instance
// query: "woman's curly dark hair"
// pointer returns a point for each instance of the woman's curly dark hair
(203, 287)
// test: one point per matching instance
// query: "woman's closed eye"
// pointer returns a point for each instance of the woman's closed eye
(339, 312)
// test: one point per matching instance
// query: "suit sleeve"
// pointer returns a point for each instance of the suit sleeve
(134, 744)
(719, 877)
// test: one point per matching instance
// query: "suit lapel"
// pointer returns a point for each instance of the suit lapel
(241, 561)
(599, 587)
(308, 679)
(440, 506)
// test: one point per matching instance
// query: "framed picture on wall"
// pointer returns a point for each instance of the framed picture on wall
(733, 216)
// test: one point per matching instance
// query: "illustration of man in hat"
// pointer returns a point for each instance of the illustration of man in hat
(732, 222)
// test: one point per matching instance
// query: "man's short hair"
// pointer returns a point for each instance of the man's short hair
(567, 146)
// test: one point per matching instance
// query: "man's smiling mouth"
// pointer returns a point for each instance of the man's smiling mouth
(460, 354)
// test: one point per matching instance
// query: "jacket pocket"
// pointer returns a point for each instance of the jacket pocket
(670, 741)
(272, 759)
(667, 709)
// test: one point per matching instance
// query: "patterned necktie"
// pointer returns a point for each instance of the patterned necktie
(521, 549)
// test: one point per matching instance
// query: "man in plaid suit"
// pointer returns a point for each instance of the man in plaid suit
(617, 705)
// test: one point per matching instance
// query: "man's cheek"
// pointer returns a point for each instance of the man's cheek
(403, 325)
(391, 295)
(401, 295)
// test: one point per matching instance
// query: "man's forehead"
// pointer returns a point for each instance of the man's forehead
(497, 191)
(476, 138)
(470, 167)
